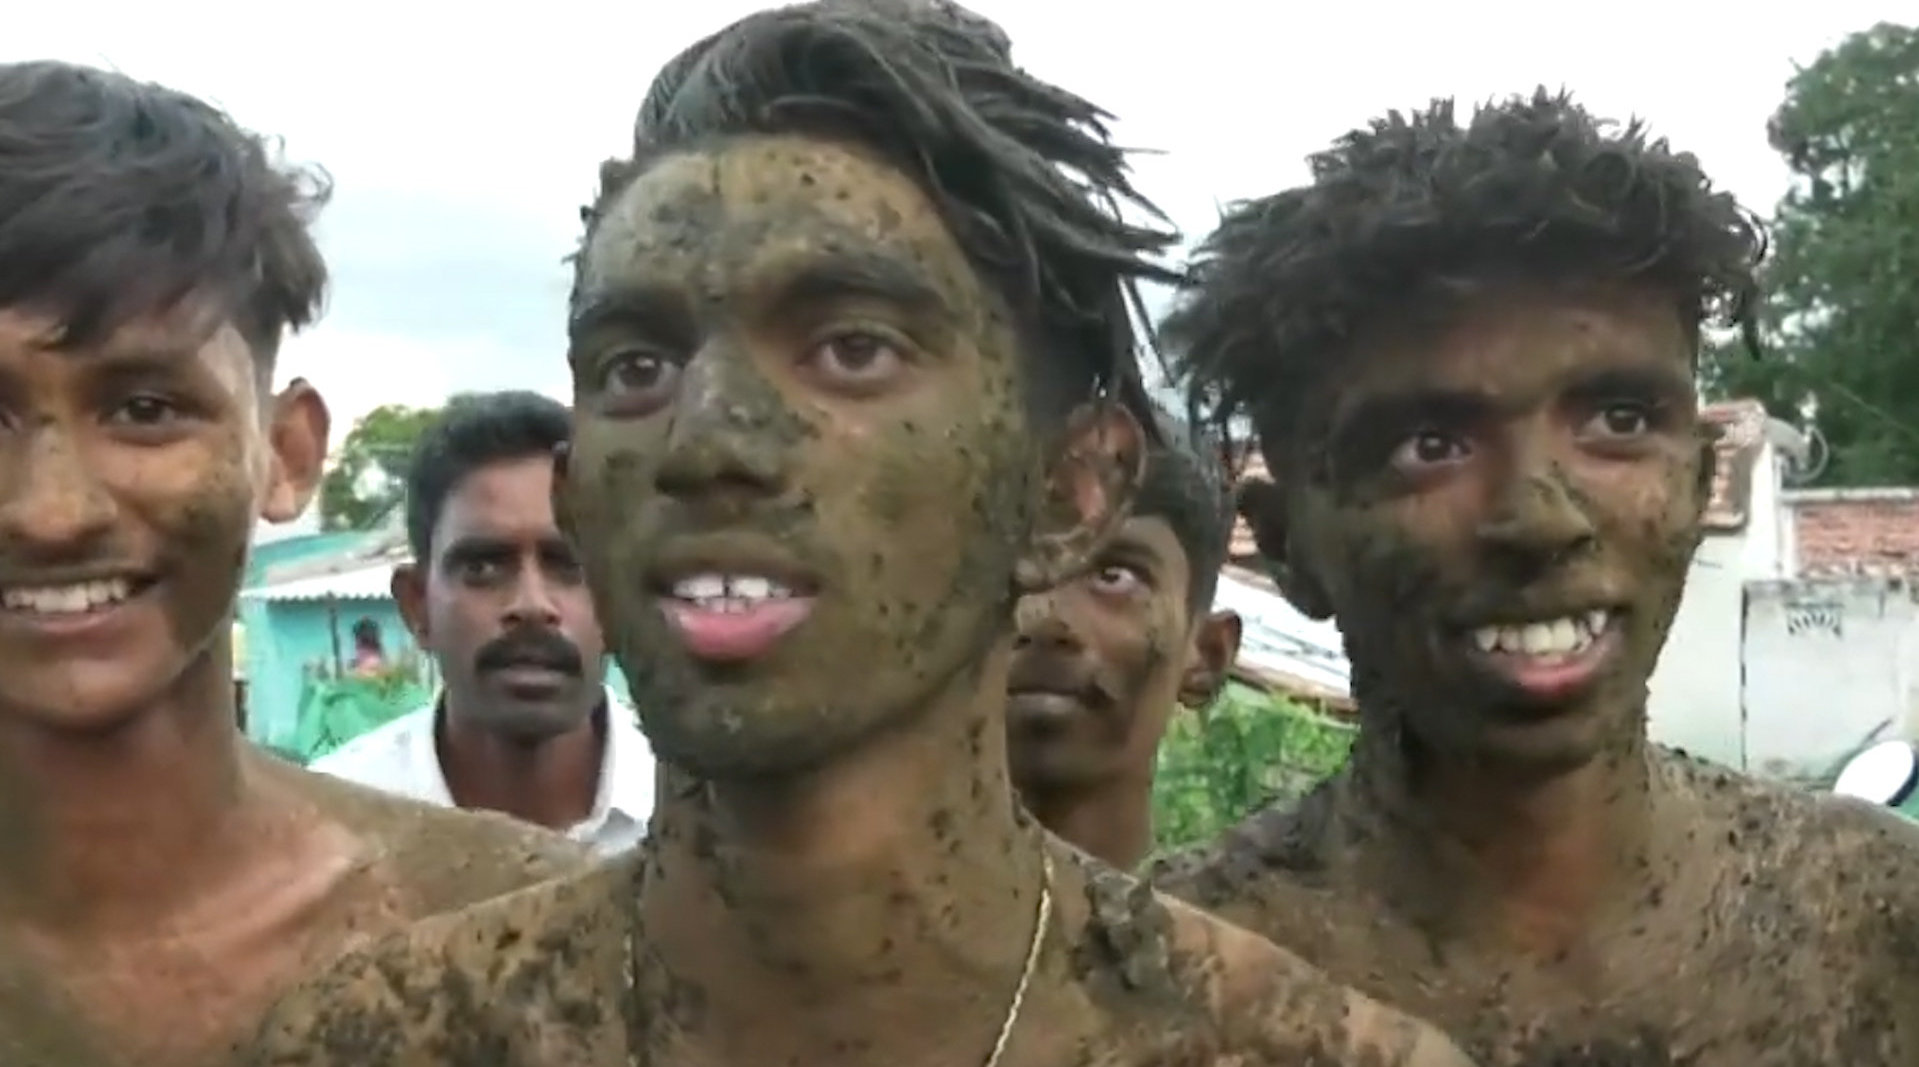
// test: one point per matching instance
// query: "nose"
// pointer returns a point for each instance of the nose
(1536, 522)
(533, 603)
(1042, 624)
(730, 433)
(50, 502)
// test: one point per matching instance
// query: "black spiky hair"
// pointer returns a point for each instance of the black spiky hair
(1532, 187)
(1185, 486)
(1025, 172)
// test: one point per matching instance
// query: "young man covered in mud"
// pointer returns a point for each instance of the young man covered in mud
(827, 430)
(160, 879)
(1468, 349)
(1103, 659)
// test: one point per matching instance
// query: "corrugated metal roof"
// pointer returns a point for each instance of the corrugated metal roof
(1275, 638)
(366, 582)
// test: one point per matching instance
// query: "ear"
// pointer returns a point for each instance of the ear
(1265, 508)
(297, 432)
(1089, 492)
(408, 586)
(1209, 659)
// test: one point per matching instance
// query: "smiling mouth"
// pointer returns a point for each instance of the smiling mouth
(1549, 660)
(733, 616)
(72, 600)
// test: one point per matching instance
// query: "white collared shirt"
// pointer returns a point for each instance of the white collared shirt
(400, 757)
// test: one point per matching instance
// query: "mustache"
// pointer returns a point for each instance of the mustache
(540, 648)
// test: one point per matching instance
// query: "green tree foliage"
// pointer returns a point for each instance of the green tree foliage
(1250, 749)
(367, 472)
(1841, 322)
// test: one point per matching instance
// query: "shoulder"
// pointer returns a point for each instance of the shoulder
(443, 858)
(1272, 855)
(512, 979)
(1273, 1006)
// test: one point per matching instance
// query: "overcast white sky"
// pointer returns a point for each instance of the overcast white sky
(463, 143)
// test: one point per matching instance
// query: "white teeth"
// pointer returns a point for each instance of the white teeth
(1547, 638)
(729, 592)
(66, 599)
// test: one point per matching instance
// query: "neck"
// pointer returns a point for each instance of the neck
(1527, 856)
(816, 893)
(103, 830)
(552, 782)
(1111, 819)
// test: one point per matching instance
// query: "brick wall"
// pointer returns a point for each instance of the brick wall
(1856, 531)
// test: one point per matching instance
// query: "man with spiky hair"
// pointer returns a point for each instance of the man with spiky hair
(161, 880)
(1468, 350)
(852, 370)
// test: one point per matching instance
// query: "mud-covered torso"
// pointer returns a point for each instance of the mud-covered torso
(195, 985)
(1788, 937)
(560, 974)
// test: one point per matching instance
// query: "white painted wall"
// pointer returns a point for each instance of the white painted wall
(1695, 699)
(1827, 662)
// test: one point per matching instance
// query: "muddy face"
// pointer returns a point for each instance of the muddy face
(1098, 663)
(800, 474)
(1501, 513)
(131, 474)
(503, 606)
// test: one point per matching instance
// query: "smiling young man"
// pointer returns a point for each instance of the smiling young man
(525, 724)
(160, 879)
(1104, 658)
(1468, 350)
(825, 436)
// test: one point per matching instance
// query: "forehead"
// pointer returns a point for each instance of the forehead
(185, 338)
(1517, 340)
(511, 500)
(733, 215)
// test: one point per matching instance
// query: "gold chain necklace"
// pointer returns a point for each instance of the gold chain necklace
(1041, 922)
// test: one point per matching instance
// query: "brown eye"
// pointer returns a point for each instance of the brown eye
(1117, 580)
(145, 410)
(1619, 421)
(1429, 448)
(638, 380)
(856, 360)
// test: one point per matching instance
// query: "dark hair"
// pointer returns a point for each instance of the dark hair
(1185, 485)
(1024, 172)
(475, 430)
(119, 198)
(366, 632)
(1402, 212)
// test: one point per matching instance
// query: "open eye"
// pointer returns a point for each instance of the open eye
(637, 379)
(857, 360)
(1429, 448)
(1617, 421)
(1117, 579)
(144, 409)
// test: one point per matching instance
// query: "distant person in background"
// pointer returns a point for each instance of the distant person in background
(525, 724)
(161, 880)
(1102, 661)
(369, 656)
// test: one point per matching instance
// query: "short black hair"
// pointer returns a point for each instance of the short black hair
(1411, 207)
(119, 198)
(475, 430)
(366, 632)
(1024, 172)
(1185, 485)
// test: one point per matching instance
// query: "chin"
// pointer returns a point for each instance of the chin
(717, 739)
(93, 701)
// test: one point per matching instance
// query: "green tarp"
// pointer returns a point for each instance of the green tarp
(334, 711)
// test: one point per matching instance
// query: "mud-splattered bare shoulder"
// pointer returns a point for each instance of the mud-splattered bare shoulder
(444, 858)
(1274, 1007)
(1256, 874)
(521, 980)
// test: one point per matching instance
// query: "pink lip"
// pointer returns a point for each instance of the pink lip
(1551, 681)
(736, 636)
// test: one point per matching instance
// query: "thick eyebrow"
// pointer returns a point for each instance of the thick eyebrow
(1665, 385)
(843, 274)
(645, 303)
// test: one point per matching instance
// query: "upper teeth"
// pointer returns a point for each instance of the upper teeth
(1549, 637)
(719, 587)
(65, 599)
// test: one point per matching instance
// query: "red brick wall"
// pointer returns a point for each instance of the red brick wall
(1868, 534)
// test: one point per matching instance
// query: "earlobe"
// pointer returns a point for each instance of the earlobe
(297, 435)
(1089, 493)
(409, 596)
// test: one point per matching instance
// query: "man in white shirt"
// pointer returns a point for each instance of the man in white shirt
(525, 723)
